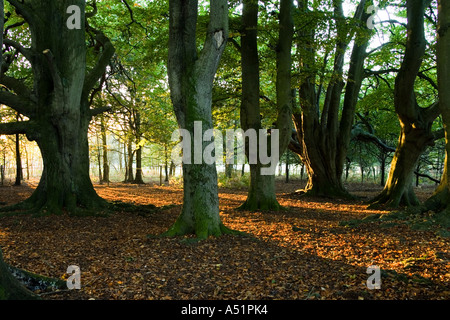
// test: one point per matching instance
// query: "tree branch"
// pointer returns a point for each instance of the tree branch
(20, 104)
(105, 57)
(93, 12)
(15, 85)
(427, 78)
(365, 136)
(19, 127)
(23, 10)
(432, 112)
(97, 111)
(27, 53)
(426, 176)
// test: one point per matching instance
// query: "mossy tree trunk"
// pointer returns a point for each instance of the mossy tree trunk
(10, 287)
(415, 122)
(191, 76)
(57, 105)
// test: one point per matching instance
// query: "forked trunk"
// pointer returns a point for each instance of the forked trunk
(191, 76)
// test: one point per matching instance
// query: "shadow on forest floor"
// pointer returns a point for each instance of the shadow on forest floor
(299, 253)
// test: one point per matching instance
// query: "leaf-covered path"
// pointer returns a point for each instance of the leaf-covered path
(300, 253)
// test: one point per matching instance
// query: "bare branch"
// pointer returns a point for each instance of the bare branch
(428, 79)
(97, 111)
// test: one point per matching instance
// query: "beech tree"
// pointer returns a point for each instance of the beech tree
(191, 75)
(323, 132)
(56, 101)
(261, 194)
(415, 121)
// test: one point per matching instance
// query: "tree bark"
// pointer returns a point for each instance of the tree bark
(58, 106)
(19, 173)
(415, 122)
(191, 76)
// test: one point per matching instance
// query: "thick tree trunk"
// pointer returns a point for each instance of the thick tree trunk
(58, 106)
(261, 193)
(65, 181)
(138, 179)
(398, 190)
(191, 76)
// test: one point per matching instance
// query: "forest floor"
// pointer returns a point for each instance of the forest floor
(303, 252)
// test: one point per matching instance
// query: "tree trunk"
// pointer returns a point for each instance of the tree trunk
(129, 174)
(191, 76)
(138, 179)
(398, 190)
(415, 122)
(261, 193)
(19, 173)
(58, 106)
(440, 200)
(105, 177)
(323, 139)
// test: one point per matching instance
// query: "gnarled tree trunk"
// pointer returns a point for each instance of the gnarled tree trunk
(415, 122)
(323, 139)
(57, 105)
